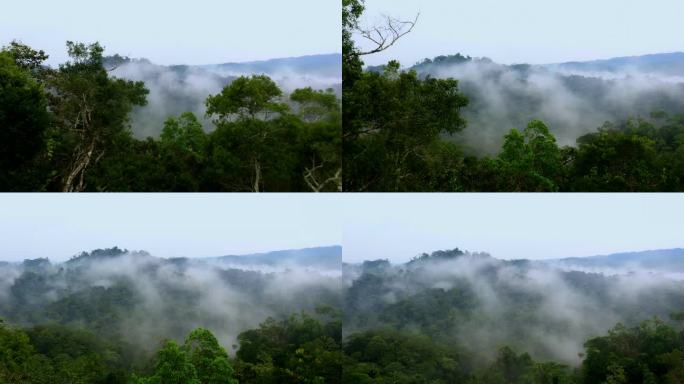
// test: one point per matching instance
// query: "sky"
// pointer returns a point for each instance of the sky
(510, 226)
(175, 31)
(368, 226)
(531, 31)
(59, 226)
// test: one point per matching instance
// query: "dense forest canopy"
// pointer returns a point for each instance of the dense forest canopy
(571, 102)
(111, 315)
(69, 129)
(185, 87)
(141, 298)
(454, 123)
(302, 348)
(454, 316)
(116, 316)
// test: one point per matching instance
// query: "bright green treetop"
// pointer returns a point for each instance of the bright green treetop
(247, 98)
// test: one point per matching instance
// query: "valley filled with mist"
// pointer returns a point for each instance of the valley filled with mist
(185, 88)
(455, 123)
(454, 316)
(608, 125)
(572, 99)
(109, 123)
(299, 316)
(109, 315)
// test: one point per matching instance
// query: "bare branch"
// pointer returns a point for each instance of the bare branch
(316, 185)
(385, 36)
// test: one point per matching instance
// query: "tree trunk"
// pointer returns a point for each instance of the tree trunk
(78, 170)
(257, 175)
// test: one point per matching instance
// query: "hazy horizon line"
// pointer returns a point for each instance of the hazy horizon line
(603, 58)
(231, 62)
(404, 261)
(126, 250)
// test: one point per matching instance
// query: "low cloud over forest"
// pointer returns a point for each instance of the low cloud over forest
(182, 88)
(573, 99)
(484, 303)
(143, 299)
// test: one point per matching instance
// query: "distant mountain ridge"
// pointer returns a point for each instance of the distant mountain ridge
(329, 257)
(545, 310)
(175, 89)
(666, 260)
(326, 257)
(322, 64)
(315, 58)
(572, 99)
(312, 62)
(144, 299)
(315, 66)
(671, 64)
(660, 260)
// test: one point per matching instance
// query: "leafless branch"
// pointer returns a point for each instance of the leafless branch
(385, 36)
(316, 185)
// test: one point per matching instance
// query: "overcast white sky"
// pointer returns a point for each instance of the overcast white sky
(176, 31)
(167, 225)
(369, 226)
(532, 31)
(510, 226)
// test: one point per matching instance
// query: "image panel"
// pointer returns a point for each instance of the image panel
(187, 288)
(525, 96)
(476, 288)
(170, 96)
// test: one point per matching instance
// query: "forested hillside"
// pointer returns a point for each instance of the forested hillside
(326, 259)
(110, 315)
(70, 128)
(114, 316)
(302, 348)
(663, 64)
(664, 261)
(144, 298)
(186, 87)
(454, 316)
(454, 123)
(572, 99)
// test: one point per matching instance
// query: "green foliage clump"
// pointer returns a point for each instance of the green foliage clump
(398, 136)
(309, 349)
(56, 355)
(24, 120)
(530, 161)
(300, 349)
(402, 358)
(392, 127)
(652, 352)
(511, 368)
(200, 360)
(247, 98)
(68, 129)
